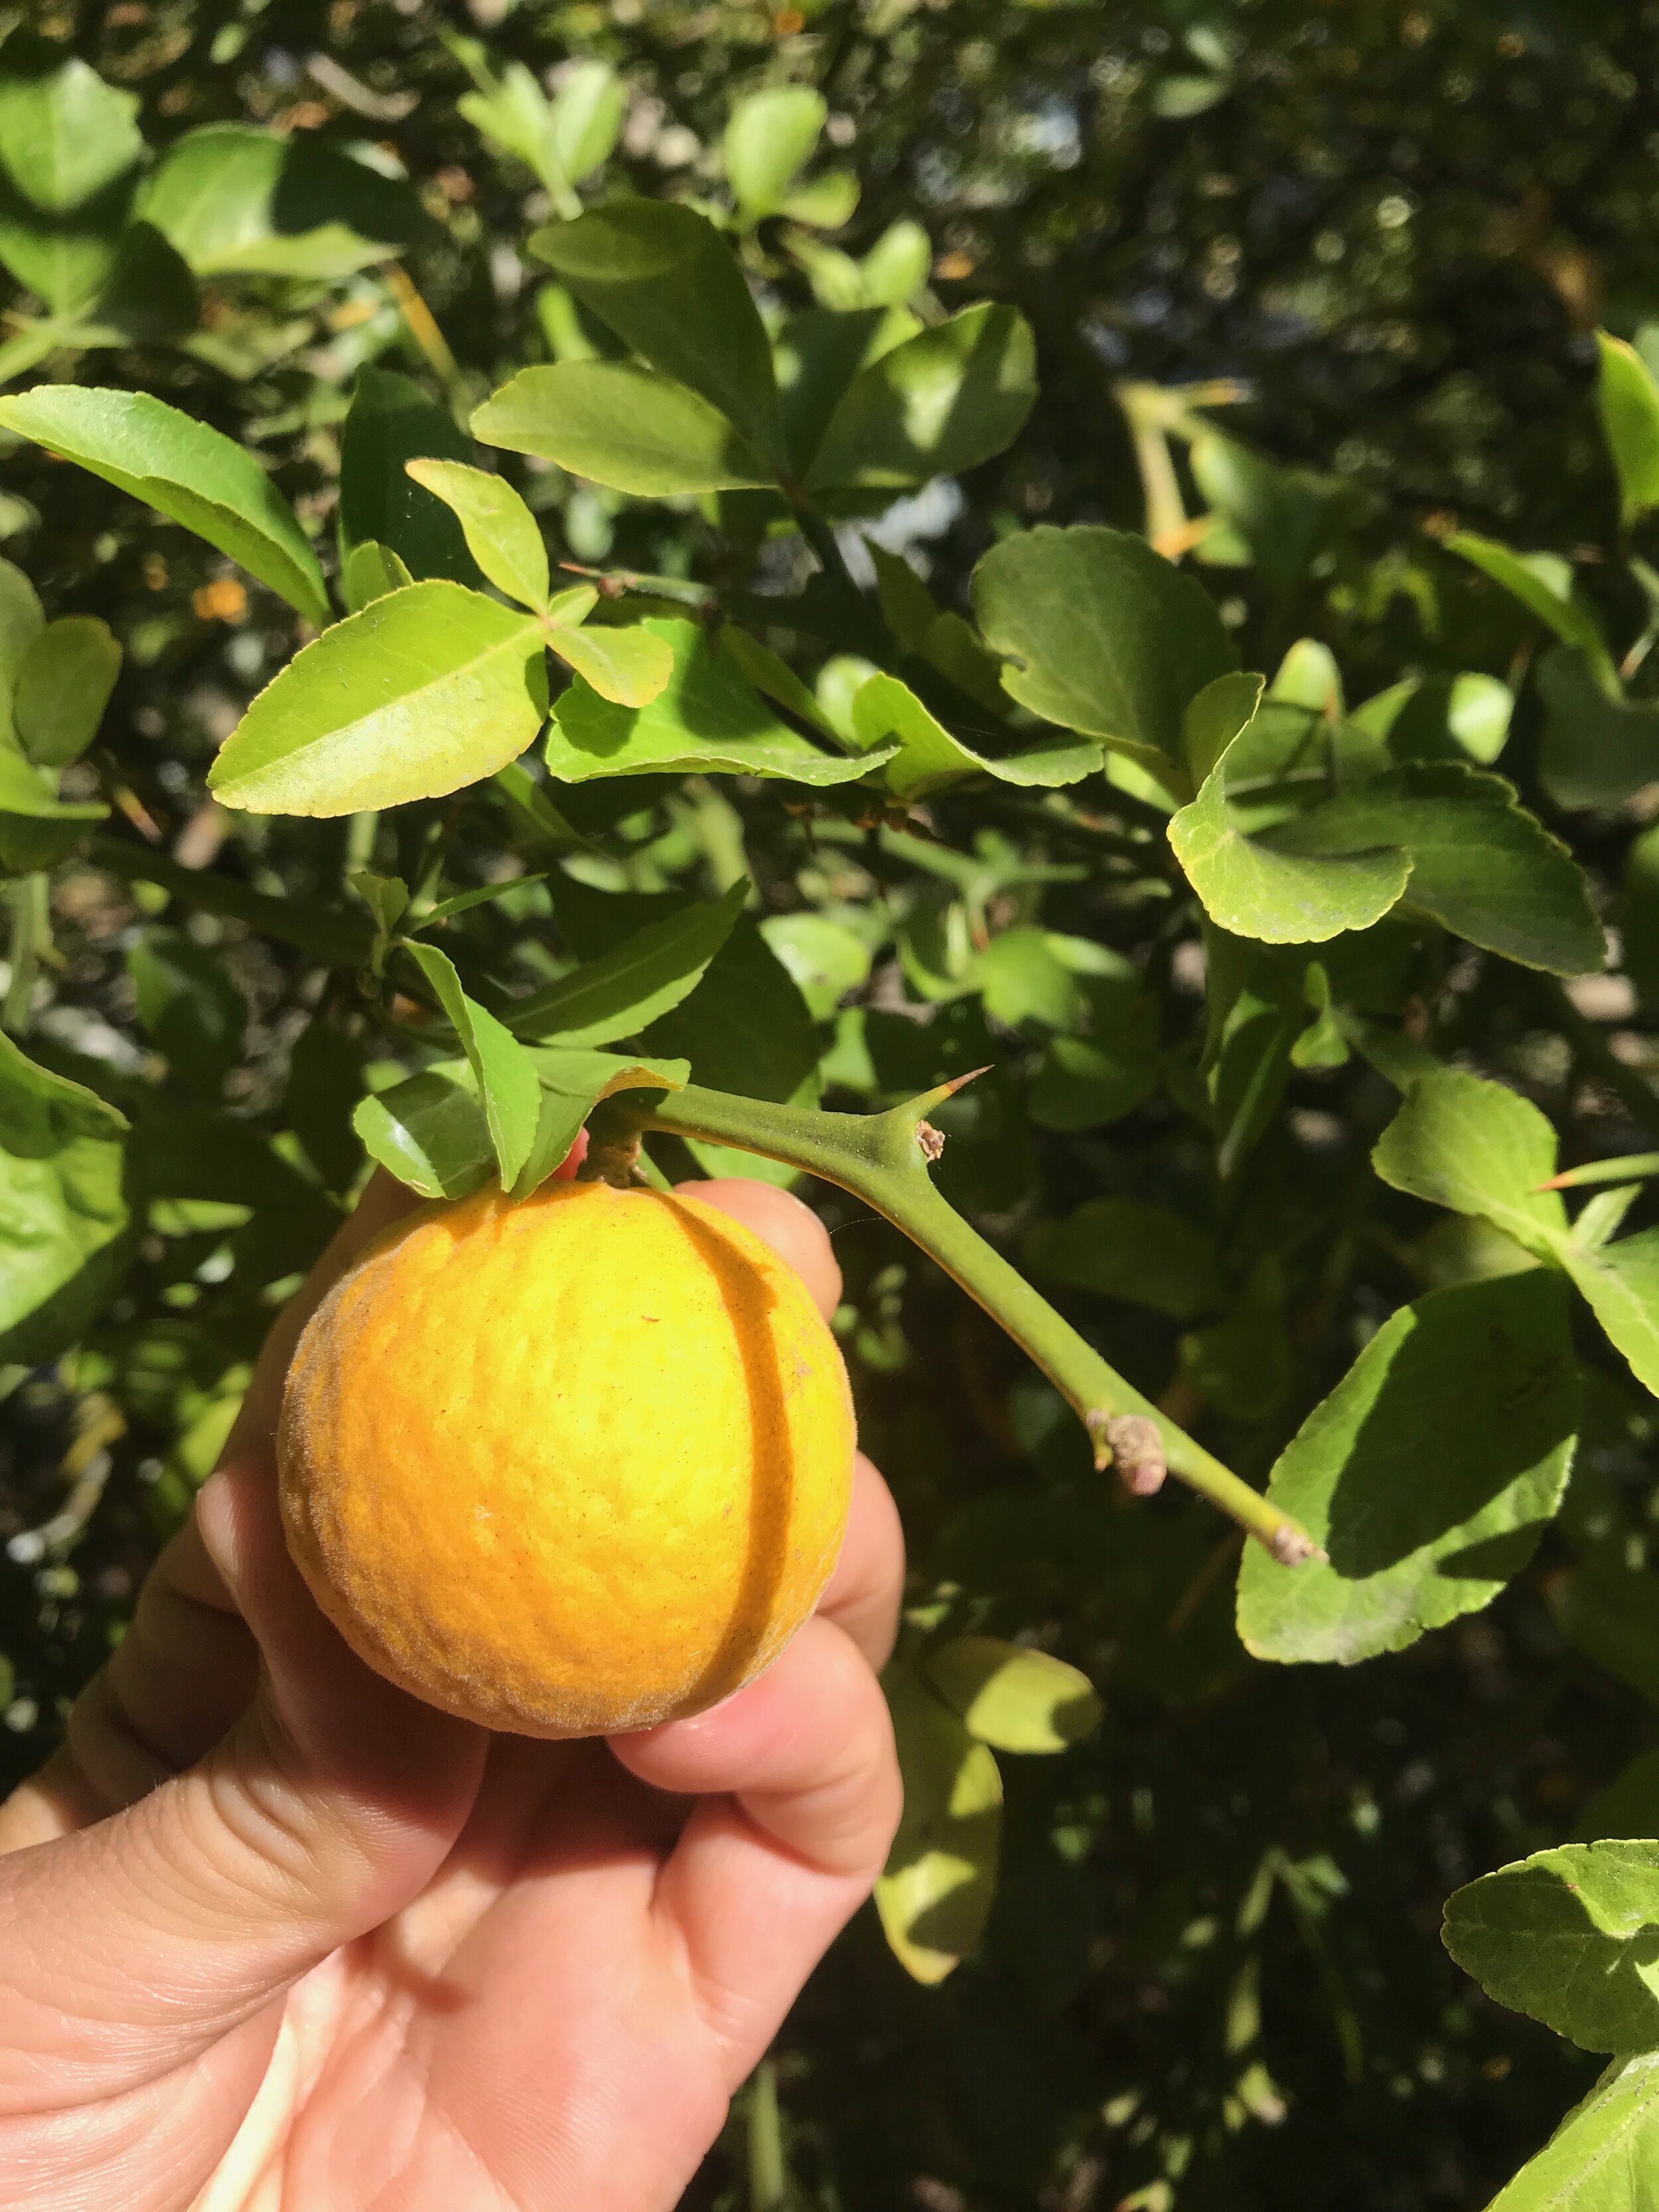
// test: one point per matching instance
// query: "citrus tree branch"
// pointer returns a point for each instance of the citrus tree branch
(884, 1158)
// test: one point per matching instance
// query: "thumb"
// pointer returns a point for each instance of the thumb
(325, 1809)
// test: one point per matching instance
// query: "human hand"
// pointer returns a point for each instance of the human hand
(279, 1936)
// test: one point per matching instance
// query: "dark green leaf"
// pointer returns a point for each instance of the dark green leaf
(619, 993)
(62, 1209)
(943, 401)
(929, 757)
(502, 534)
(1599, 748)
(391, 421)
(1125, 1248)
(194, 1015)
(1542, 582)
(427, 689)
(188, 471)
(1428, 1474)
(64, 677)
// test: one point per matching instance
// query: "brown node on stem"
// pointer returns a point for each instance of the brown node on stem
(1290, 1547)
(931, 1139)
(1133, 1443)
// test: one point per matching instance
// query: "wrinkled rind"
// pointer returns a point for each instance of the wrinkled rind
(568, 1466)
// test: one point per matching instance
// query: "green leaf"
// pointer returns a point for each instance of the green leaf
(502, 533)
(620, 425)
(929, 758)
(628, 667)
(709, 719)
(943, 401)
(64, 1214)
(1629, 400)
(1218, 714)
(1104, 637)
(746, 1028)
(1477, 1147)
(825, 202)
(1569, 1936)
(1604, 2157)
(235, 199)
(1121, 1248)
(368, 572)
(192, 1012)
(151, 298)
(427, 689)
(665, 280)
(935, 1893)
(824, 958)
(32, 792)
(65, 133)
(64, 677)
(1013, 1698)
(585, 118)
(1611, 1611)
(1286, 517)
(390, 423)
(1598, 749)
(1543, 583)
(618, 994)
(430, 1132)
(1477, 1383)
(502, 1068)
(1621, 1282)
(66, 260)
(768, 141)
(189, 473)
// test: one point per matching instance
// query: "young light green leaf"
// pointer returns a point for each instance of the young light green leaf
(929, 757)
(1604, 2157)
(390, 423)
(502, 1068)
(943, 401)
(1104, 637)
(628, 667)
(64, 1213)
(1478, 1382)
(464, 902)
(1598, 749)
(708, 718)
(192, 1012)
(1543, 583)
(64, 677)
(502, 533)
(1629, 401)
(1569, 1936)
(935, 1893)
(1122, 1247)
(195, 475)
(825, 959)
(825, 202)
(1477, 1147)
(1621, 1282)
(666, 282)
(1013, 1698)
(585, 118)
(768, 141)
(369, 571)
(621, 425)
(616, 995)
(430, 1131)
(33, 791)
(65, 135)
(235, 199)
(426, 690)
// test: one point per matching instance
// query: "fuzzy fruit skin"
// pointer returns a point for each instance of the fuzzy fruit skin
(566, 1467)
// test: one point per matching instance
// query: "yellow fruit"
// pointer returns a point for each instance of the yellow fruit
(572, 1465)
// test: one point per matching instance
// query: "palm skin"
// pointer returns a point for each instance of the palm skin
(281, 1937)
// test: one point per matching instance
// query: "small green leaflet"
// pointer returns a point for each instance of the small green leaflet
(929, 757)
(192, 1012)
(1543, 583)
(1570, 1936)
(935, 1892)
(1621, 1282)
(1598, 748)
(627, 667)
(1604, 2157)
(768, 141)
(622, 425)
(710, 718)
(64, 134)
(1104, 637)
(28, 790)
(193, 474)
(1477, 1147)
(369, 571)
(941, 403)
(427, 689)
(619, 993)
(664, 280)
(1629, 400)
(502, 533)
(502, 1068)
(1477, 1384)
(1013, 1698)
(64, 677)
(63, 1211)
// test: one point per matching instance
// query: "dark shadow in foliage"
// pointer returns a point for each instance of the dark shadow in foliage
(1417, 1470)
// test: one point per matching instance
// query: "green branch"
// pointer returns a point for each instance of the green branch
(884, 1158)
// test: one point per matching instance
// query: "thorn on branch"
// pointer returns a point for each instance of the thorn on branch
(1133, 1443)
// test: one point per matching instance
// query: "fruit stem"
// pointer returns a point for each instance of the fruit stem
(883, 1158)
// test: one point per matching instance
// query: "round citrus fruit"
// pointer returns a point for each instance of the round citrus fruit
(570, 1464)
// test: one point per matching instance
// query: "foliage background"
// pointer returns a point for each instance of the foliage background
(1211, 1976)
